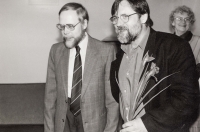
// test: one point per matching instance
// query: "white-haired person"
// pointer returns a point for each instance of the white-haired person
(181, 20)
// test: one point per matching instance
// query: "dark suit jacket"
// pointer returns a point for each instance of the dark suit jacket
(174, 108)
(99, 110)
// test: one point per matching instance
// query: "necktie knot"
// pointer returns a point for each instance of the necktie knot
(78, 49)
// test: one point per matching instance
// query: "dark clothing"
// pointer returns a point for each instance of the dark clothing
(187, 36)
(175, 108)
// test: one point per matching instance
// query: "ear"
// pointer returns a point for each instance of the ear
(173, 24)
(85, 24)
(144, 18)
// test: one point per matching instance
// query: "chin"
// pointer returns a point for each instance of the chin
(70, 44)
(122, 38)
(122, 41)
(125, 40)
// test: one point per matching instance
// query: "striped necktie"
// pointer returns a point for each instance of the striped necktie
(76, 84)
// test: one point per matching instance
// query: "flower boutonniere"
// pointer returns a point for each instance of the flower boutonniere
(153, 70)
(147, 58)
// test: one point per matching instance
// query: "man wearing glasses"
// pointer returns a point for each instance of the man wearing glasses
(153, 78)
(77, 95)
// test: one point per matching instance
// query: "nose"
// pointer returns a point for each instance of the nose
(119, 22)
(184, 21)
(66, 31)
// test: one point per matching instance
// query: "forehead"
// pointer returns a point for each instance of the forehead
(181, 14)
(69, 16)
(125, 8)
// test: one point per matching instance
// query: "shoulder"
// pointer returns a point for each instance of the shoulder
(57, 47)
(169, 38)
(169, 46)
(102, 46)
(173, 48)
(171, 41)
(195, 38)
(57, 50)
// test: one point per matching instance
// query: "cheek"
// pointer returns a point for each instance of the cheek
(188, 26)
(115, 27)
(135, 28)
(63, 32)
(173, 23)
(77, 31)
(176, 25)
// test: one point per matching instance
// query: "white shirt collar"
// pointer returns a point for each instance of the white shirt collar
(83, 44)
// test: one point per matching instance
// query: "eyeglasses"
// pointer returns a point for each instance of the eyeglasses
(70, 27)
(123, 17)
(187, 19)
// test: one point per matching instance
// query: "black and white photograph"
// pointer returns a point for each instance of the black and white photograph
(100, 66)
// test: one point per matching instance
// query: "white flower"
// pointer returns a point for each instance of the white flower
(154, 70)
(147, 58)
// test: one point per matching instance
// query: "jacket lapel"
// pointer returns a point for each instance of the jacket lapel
(117, 62)
(64, 61)
(114, 75)
(150, 48)
(90, 60)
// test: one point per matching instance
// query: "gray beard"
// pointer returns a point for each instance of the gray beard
(128, 37)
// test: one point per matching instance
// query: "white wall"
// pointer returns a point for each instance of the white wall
(27, 32)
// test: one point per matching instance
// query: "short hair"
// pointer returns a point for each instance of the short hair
(80, 10)
(182, 9)
(139, 6)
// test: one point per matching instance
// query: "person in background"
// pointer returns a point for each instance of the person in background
(153, 78)
(181, 21)
(77, 94)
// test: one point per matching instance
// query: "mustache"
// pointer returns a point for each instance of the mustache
(66, 38)
(121, 28)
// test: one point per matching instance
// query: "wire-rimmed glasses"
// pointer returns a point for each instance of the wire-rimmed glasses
(123, 17)
(187, 19)
(70, 27)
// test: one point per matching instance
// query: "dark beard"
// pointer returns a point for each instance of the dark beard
(76, 40)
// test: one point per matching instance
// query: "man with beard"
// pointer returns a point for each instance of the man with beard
(77, 95)
(153, 78)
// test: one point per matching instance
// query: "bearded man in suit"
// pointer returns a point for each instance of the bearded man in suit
(77, 95)
(154, 77)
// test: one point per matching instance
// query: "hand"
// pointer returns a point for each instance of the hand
(134, 126)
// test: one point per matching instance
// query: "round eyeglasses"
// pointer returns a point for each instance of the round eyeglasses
(187, 19)
(70, 27)
(123, 17)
